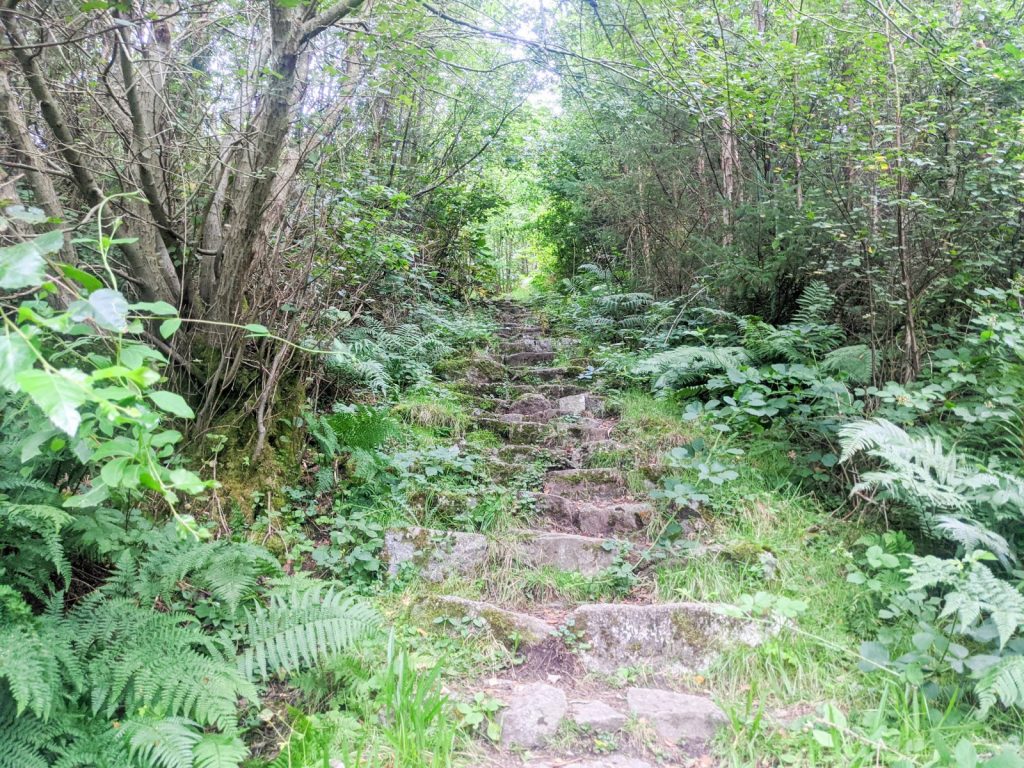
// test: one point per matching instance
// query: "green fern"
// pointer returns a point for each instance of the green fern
(352, 371)
(25, 740)
(228, 571)
(981, 594)
(31, 546)
(218, 750)
(164, 743)
(689, 365)
(619, 304)
(815, 302)
(361, 427)
(138, 659)
(299, 626)
(851, 363)
(946, 492)
(1003, 682)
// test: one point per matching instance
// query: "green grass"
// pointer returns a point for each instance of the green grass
(437, 409)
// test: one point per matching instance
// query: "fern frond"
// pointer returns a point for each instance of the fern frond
(24, 738)
(1003, 682)
(31, 666)
(361, 426)
(229, 571)
(684, 366)
(31, 545)
(219, 750)
(814, 304)
(852, 363)
(164, 743)
(140, 659)
(616, 304)
(299, 627)
(971, 536)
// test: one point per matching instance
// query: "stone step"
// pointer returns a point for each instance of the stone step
(438, 555)
(589, 430)
(519, 331)
(677, 717)
(586, 555)
(550, 390)
(526, 344)
(670, 637)
(521, 359)
(599, 517)
(531, 404)
(534, 712)
(526, 452)
(518, 432)
(579, 404)
(548, 374)
(511, 629)
(586, 484)
(435, 555)
(532, 715)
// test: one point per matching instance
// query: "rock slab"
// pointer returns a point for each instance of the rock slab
(508, 627)
(434, 554)
(676, 637)
(676, 717)
(567, 552)
(532, 716)
(596, 715)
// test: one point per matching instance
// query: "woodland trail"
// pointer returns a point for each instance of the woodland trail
(621, 676)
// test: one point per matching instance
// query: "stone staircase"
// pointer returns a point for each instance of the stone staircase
(588, 520)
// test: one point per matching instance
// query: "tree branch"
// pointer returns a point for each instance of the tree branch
(328, 18)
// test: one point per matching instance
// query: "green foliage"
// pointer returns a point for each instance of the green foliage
(147, 663)
(686, 366)
(301, 623)
(950, 496)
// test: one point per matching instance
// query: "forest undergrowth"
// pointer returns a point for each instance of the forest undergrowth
(257, 266)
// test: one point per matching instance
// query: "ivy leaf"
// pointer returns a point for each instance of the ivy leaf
(172, 403)
(109, 309)
(15, 355)
(22, 265)
(57, 394)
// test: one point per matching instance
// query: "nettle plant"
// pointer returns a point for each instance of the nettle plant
(73, 347)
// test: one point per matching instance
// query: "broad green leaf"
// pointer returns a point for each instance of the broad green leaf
(25, 213)
(172, 402)
(186, 480)
(58, 394)
(23, 266)
(169, 326)
(91, 498)
(257, 330)
(15, 355)
(167, 437)
(161, 308)
(109, 309)
(32, 445)
(83, 278)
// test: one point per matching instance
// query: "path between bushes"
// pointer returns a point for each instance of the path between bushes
(561, 707)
